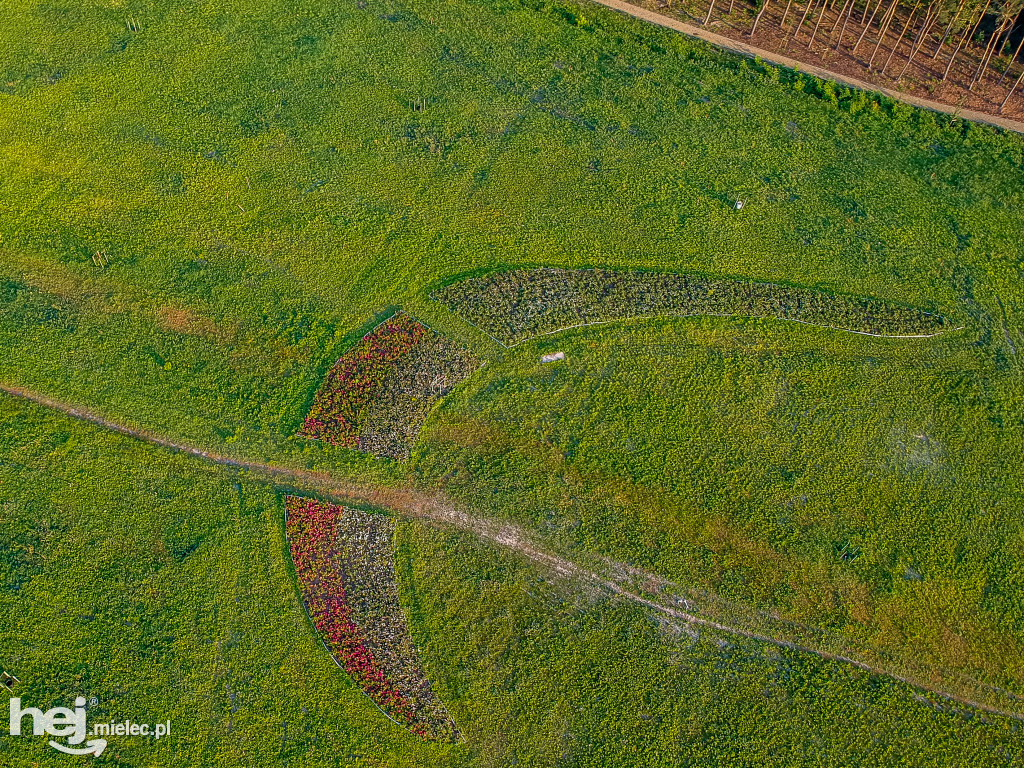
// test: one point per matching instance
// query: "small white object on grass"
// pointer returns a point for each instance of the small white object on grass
(552, 358)
(739, 205)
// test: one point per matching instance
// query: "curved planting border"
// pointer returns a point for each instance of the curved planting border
(344, 561)
(379, 393)
(517, 305)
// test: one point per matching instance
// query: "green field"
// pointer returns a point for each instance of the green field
(203, 206)
(161, 586)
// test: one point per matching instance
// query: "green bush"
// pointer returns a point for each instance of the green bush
(516, 305)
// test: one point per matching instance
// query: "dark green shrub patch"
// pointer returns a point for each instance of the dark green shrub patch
(377, 396)
(344, 561)
(416, 382)
(513, 306)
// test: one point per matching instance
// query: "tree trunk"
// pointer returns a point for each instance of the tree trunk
(1001, 45)
(710, 9)
(986, 55)
(867, 26)
(785, 14)
(1001, 37)
(899, 39)
(796, 29)
(885, 24)
(929, 21)
(1012, 59)
(757, 19)
(952, 58)
(867, 7)
(838, 19)
(949, 28)
(1012, 89)
(971, 31)
(843, 30)
(816, 27)
(977, 25)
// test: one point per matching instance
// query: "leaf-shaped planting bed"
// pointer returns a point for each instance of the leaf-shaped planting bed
(517, 305)
(344, 560)
(377, 396)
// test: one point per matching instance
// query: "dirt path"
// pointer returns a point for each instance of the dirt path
(778, 59)
(671, 601)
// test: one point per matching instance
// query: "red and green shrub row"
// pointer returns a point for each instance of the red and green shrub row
(351, 384)
(513, 306)
(345, 565)
(377, 396)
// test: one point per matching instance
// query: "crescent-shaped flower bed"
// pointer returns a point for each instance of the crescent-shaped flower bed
(513, 306)
(344, 560)
(377, 396)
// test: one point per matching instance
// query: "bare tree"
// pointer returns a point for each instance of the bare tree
(971, 31)
(885, 24)
(1012, 89)
(1012, 59)
(757, 19)
(929, 21)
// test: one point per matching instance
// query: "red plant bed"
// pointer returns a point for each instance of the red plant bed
(356, 378)
(311, 531)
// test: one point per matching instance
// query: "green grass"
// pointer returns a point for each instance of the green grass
(161, 586)
(861, 491)
(267, 181)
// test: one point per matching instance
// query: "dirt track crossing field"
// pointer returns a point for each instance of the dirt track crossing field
(670, 602)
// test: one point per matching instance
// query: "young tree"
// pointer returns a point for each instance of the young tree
(1012, 59)
(899, 38)
(1012, 89)
(971, 31)
(929, 21)
(885, 24)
